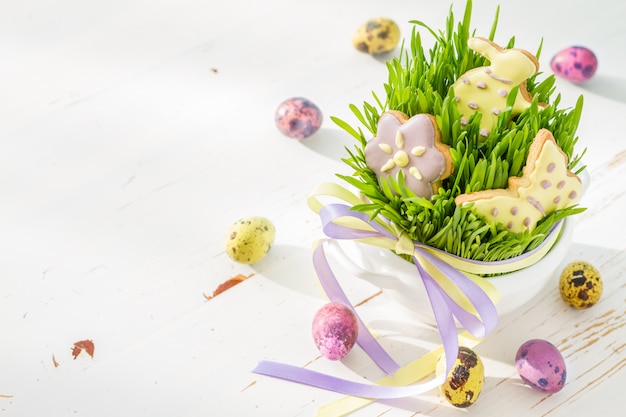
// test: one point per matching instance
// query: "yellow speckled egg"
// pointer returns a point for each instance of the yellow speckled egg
(465, 380)
(248, 240)
(580, 285)
(377, 36)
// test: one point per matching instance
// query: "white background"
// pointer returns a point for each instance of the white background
(133, 133)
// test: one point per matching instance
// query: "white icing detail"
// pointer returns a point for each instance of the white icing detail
(484, 132)
(388, 165)
(495, 111)
(385, 148)
(399, 140)
(416, 173)
(418, 151)
(401, 158)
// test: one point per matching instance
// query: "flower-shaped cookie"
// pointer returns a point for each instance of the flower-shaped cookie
(412, 146)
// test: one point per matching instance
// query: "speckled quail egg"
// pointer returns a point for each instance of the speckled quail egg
(465, 380)
(249, 239)
(335, 330)
(377, 36)
(580, 285)
(541, 365)
(576, 64)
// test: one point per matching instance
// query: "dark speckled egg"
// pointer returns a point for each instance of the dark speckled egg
(298, 118)
(576, 64)
(580, 285)
(465, 380)
(541, 365)
(335, 329)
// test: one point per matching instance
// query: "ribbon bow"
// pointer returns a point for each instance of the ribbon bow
(452, 294)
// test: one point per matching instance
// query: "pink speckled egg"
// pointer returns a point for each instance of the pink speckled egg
(298, 118)
(541, 365)
(335, 330)
(576, 64)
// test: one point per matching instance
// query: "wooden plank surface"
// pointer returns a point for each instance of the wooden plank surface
(133, 133)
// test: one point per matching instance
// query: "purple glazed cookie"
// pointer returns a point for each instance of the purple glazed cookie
(412, 146)
(298, 118)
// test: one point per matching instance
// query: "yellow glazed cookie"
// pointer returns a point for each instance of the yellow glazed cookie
(546, 185)
(485, 89)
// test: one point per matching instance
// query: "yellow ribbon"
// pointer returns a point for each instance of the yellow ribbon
(401, 244)
(407, 375)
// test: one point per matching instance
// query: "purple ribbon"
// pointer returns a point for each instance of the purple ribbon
(445, 309)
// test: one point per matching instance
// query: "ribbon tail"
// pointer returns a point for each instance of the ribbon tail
(333, 290)
(342, 386)
(443, 318)
(480, 301)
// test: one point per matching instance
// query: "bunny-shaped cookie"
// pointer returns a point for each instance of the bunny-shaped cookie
(485, 89)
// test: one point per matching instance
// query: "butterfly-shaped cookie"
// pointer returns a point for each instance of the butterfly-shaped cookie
(546, 185)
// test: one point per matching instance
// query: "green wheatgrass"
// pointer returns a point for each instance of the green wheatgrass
(420, 82)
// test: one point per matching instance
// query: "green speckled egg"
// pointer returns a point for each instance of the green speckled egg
(580, 285)
(377, 36)
(248, 240)
(465, 380)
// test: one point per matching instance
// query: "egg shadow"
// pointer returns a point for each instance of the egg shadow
(331, 143)
(385, 57)
(610, 87)
(290, 267)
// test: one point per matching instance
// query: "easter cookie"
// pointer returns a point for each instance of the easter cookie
(546, 185)
(413, 146)
(485, 89)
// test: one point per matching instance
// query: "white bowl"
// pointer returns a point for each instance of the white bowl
(401, 281)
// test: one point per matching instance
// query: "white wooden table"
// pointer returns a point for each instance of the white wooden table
(133, 133)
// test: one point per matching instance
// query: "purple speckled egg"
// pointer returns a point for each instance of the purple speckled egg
(335, 330)
(576, 64)
(298, 118)
(541, 365)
